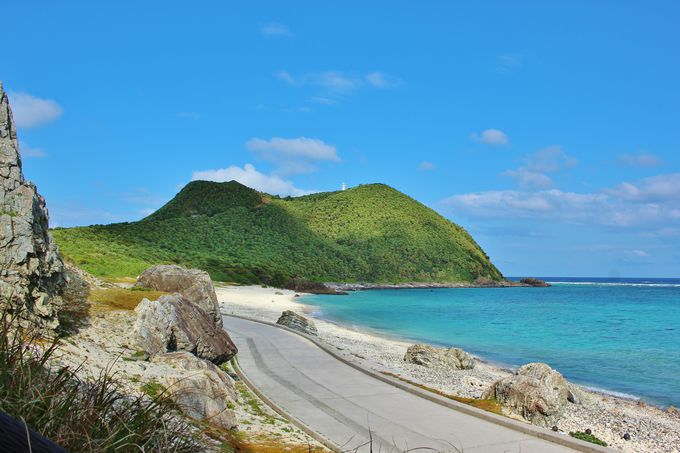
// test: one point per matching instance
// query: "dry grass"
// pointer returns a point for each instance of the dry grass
(116, 280)
(492, 406)
(120, 298)
(262, 444)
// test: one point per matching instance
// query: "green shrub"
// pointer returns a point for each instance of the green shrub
(588, 438)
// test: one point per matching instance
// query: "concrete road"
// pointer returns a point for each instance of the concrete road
(343, 404)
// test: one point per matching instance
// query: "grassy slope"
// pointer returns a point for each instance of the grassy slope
(368, 233)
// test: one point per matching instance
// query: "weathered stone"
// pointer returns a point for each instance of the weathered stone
(31, 271)
(193, 284)
(200, 389)
(443, 358)
(536, 392)
(294, 321)
(172, 323)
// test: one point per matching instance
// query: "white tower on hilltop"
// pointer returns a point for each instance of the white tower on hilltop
(344, 186)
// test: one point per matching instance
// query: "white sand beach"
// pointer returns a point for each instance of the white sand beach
(651, 429)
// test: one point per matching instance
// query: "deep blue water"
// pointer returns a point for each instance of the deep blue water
(616, 335)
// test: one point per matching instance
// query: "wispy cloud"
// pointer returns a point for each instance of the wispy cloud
(189, 115)
(274, 29)
(329, 87)
(27, 151)
(510, 62)
(533, 174)
(642, 159)
(426, 166)
(30, 111)
(293, 155)
(381, 80)
(494, 137)
(249, 176)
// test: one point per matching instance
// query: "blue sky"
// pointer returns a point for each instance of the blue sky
(549, 129)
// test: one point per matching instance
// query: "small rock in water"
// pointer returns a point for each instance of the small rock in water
(626, 436)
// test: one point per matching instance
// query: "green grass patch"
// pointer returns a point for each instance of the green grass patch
(588, 438)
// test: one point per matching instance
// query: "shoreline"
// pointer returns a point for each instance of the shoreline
(340, 288)
(608, 416)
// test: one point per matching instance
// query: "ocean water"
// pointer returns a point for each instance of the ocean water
(614, 335)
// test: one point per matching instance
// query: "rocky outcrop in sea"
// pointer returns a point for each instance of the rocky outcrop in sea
(31, 270)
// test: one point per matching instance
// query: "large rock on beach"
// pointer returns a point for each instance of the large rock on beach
(172, 323)
(200, 389)
(442, 358)
(193, 284)
(294, 321)
(31, 271)
(535, 392)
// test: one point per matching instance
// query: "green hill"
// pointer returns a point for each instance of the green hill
(370, 233)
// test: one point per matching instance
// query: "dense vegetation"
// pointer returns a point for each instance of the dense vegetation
(370, 233)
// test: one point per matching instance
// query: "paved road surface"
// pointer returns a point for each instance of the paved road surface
(342, 403)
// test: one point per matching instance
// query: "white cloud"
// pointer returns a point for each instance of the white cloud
(310, 148)
(637, 253)
(652, 204)
(640, 160)
(274, 29)
(656, 188)
(293, 155)
(425, 165)
(250, 177)
(510, 61)
(528, 178)
(27, 151)
(30, 111)
(492, 137)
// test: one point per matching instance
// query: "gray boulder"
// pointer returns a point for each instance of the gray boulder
(199, 388)
(172, 323)
(442, 358)
(31, 271)
(294, 321)
(193, 284)
(535, 392)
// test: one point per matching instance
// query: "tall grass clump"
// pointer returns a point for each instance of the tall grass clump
(83, 416)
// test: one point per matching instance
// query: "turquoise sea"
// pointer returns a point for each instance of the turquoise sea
(620, 336)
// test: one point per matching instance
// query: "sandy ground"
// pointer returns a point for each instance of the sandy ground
(651, 429)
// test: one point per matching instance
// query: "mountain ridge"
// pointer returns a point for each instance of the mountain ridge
(369, 233)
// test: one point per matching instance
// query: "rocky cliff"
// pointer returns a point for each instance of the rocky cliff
(31, 271)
